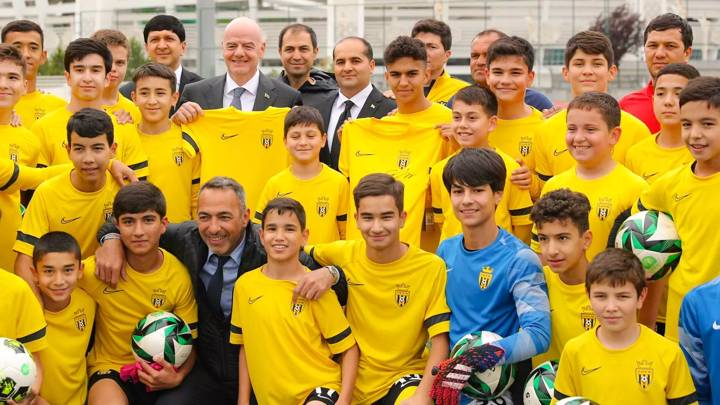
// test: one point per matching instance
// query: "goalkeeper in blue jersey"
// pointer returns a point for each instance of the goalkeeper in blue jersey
(494, 281)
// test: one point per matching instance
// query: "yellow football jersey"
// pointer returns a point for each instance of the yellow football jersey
(610, 197)
(570, 315)
(434, 115)
(650, 160)
(551, 152)
(445, 87)
(124, 103)
(33, 106)
(23, 318)
(245, 145)
(58, 206)
(325, 199)
(513, 210)
(51, 131)
(652, 370)
(402, 302)
(402, 150)
(287, 341)
(119, 309)
(174, 171)
(690, 200)
(64, 365)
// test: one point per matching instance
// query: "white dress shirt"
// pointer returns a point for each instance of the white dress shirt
(178, 74)
(248, 97)
(339, 106)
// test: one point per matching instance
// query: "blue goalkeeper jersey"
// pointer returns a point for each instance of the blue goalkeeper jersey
(500, 289)
(699, 331)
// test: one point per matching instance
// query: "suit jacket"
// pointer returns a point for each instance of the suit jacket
(376, 106)
(208, 93)
(186, 77)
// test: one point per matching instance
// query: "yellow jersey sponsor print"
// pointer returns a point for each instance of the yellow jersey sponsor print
(445, 87)
(650, 161)
(33, 106)
(23, 318)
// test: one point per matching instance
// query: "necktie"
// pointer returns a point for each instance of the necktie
(215, 286)
(343, 117)
(236, 101)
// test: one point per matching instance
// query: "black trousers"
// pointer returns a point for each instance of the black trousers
(199, 387)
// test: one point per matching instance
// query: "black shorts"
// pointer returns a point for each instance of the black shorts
(135, 392)
(324, 395)
(405, 382)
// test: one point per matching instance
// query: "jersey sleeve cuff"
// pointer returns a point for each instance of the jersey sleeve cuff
(341, 342)
(437, 324)
(25, 244)
(236, 336)
(35, 341)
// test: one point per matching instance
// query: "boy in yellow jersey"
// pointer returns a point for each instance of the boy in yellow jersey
(78, 201)
(28, 37)
(437, 37)
(87, 63)
(155, 281)
(561, 218)
(288, 344)
(654, 156)
(509, 73)
(589, 66)
(119, 47)
(689, 194)
(474, 116)
(622, 361)
(316, 186)
(396, 294)
(174, 171)
(70, 315)
(593, 122)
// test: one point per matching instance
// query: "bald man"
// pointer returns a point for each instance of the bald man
(243, 47)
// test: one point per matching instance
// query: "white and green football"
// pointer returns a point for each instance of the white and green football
(490, 383)
(652, 237)
(540, 385)
(17, 370)
(576, 401)
(162, 333)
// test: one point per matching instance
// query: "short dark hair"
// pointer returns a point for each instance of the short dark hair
(303, 115)
(669, 21)
(475, 167)
(616, 267)
(380, 184)
(562, 205)
(477, 95)
(685, 70)
(297, 27)
(368, 47)
(153, 69)
(604, 103)
(404, 47)
(55, 242)
(592, 43)
(491, 31)
(10, 54)
(83, 47)
(23, 26)
(226, 183)
(138, 197)
(512, 46)
(437, 27)
(282, 205)
(163, 22)
(111, 38)
(90, 123)
(703, 88)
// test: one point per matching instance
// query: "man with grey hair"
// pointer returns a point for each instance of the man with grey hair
(217, 248)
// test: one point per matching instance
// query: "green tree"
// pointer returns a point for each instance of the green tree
(55, 65)
(137, 57)
(623, 27)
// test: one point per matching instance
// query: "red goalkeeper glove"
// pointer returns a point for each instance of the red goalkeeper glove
(451, 375)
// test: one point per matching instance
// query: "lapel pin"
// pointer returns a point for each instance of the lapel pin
(372, 105)
(267, 96)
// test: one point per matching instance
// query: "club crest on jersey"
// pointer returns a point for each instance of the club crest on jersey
(644, 374)
(525, 145)
(587, 317)
(266, 138)
(158, 297)
(14, 152)
(323, 206)
(402, 294)
(178, 156)
(403, 159)
(80, 320)
(298, 306)
(604, 207)
(486, 276)
(107, 210)
(39, 112)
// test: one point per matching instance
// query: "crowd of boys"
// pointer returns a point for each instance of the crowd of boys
(328, 244)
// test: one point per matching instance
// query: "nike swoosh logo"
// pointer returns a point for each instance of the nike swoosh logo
(677, 197)
(354, 283)
(584, 371)
(648, 175)
(716, 326)
(107, 290)
(280, 195)
(558, 153)
(360, 154)
(67, 221)
(252, 300)
(226, 137)
(448, 270)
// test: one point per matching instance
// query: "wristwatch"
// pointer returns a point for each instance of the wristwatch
(335, 273)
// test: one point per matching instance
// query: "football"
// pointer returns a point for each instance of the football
(162, 333)
(491, 383)
(651, 236)
(540, 385)
(17, 370)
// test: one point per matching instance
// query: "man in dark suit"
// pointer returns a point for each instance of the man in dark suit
(165, 44)
(243, 86)
(356, 96)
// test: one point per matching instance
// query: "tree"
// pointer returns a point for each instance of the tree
(623, 27)
(136, 58)
(55, 65)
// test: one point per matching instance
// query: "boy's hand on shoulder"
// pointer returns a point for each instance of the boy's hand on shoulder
(521, 176)
(123, 117)
(445, 130)
(187, 113)
(313, 284)
(15, 120)
(389, 94)
(549, 112)
(122, 173)
(165, 378)
(110, 262)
